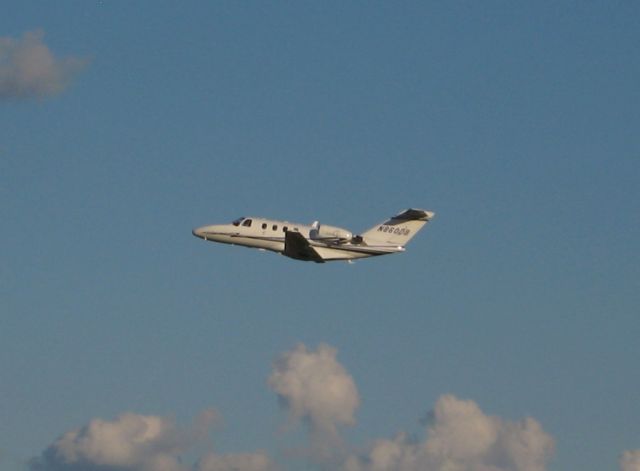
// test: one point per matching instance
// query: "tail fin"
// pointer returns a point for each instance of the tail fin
(400, 229)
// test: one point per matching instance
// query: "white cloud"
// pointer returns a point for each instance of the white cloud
(136, 442)
(316, 388)
(319, 392)
(630, 461)
(28, 69)
(131, 442)
(462, 438)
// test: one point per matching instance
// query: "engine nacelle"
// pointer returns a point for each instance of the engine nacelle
(329, 233)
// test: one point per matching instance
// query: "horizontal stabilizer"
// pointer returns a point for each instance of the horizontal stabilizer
(412, 215)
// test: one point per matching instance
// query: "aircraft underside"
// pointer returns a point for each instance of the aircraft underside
(318, 253)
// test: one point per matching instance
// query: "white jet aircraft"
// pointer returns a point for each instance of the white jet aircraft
(318, 242)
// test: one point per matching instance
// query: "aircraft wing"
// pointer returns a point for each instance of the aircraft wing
(297, 246)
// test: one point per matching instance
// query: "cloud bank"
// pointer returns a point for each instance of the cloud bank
(134, 442)
(28, 69)
(462, 438)
(258, 461)
(318, 392)
(131, 442)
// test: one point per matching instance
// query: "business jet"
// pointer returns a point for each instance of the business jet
(319, 242)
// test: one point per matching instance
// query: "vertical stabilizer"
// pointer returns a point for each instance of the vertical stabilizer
(398, 230)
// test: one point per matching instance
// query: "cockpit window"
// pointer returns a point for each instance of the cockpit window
(237, 221)
(247, 223)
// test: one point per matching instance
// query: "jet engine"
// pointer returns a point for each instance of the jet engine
(329, 233)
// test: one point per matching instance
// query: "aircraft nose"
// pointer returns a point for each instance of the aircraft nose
(199, 232)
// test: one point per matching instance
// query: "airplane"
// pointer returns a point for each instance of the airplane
(319, 242)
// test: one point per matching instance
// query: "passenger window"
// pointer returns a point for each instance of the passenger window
(247, 223)
(284, 229)
(264, 225)
(275, 227)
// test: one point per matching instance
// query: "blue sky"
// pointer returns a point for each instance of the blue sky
(517, 123)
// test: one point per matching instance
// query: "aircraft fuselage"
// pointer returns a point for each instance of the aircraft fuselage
(316, 242)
